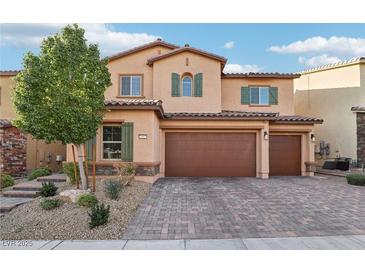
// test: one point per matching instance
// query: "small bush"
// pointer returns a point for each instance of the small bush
(87, 200)
(356, 179)
(99, 215)
(6, 180)
(112, 188)
(48, 204)
(39, 172)
(68, 169)
(126, 172)
(48, 189)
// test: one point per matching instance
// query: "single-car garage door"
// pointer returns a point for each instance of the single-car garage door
(285, 155)
(210, 154)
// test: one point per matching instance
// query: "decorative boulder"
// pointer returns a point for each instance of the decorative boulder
(73, 194)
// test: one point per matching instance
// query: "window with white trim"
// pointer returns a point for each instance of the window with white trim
(131, 85)
(187, 86)
(259, 95)
(112, 142)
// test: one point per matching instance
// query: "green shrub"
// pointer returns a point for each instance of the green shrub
(48, 189)
(48, 204)
(112, 188)
(39, 172)
(6, 180)
(68, 169)
(87, 200)
(99, 215)
(356, 179)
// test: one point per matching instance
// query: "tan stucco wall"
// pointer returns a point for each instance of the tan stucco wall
(231, 95)
(37, 150)
(135, 63)
(41, 154)
(7, 110)
(331, 97)
(144, 122)
(211, 69)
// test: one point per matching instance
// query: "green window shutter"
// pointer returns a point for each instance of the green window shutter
(198, 85)
(273, 96)
(89, 148)
(245, 95)
(127, 142)
(175, 85)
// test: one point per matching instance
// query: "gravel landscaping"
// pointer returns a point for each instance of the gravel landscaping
(69, 221)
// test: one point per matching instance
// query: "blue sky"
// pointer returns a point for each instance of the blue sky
(248, 47)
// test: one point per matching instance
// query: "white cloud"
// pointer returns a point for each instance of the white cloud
(236, 68)
(317, 61)
(335, 45)
(109, 40)
(229, 45)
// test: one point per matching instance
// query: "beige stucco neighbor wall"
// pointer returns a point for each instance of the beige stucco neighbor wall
(231, 95)
(330, 95)
(135, 63)
(7, 110)
(211, 69)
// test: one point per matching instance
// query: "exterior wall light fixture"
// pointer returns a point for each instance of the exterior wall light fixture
(313, 137)
(266, 135)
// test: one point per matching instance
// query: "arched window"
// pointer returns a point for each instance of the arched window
(187, 86)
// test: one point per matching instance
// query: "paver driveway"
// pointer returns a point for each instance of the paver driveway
(212, 208)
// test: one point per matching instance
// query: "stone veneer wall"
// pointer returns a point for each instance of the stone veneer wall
(360, 137)
(109, 170)
(13, 151)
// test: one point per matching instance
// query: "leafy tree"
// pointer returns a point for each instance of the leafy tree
(59, 95)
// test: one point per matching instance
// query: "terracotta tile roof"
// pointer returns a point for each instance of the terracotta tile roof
(158, 42)
(4, 123)
(356, 60)
(297, 118)
(136, 104)
(221, 59)
(9, 72)
(358, 108)
(133, 102)
(223, 115)
(260, 75)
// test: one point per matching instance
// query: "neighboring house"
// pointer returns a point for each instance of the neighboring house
(335, 93)
(173, 112)
(20, 153)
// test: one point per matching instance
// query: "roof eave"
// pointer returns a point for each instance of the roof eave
(277, 76)
(140, 48)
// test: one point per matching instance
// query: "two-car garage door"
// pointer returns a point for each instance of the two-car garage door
(228, 154)
(210, 154)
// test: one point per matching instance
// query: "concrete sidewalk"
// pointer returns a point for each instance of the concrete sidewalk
(353, 242)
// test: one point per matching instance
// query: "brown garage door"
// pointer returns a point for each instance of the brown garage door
(210, 154)
(285, 155)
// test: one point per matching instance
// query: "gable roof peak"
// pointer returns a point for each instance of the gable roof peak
(188, 48)
(157, 42)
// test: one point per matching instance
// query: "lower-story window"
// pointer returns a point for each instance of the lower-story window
(112, 142)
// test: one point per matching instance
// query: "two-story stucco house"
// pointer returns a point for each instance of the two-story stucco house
(173, 112)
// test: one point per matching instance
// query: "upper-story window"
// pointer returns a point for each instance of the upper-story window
(259, 95)
(256, 95)
(187, 86)
(131, 85)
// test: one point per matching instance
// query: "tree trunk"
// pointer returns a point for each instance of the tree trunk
(81, 167)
